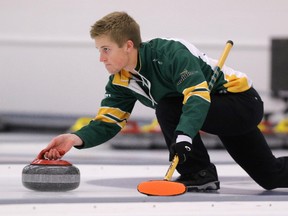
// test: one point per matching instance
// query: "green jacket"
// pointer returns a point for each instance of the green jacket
(166, 68)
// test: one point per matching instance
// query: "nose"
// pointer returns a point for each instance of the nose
(102, 58)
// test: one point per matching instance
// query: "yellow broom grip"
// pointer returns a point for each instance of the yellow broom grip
(225, 53)
(171, 168)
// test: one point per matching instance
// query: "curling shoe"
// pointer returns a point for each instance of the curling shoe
(205, 180)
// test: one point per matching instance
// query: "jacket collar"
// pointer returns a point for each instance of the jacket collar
(122, 78)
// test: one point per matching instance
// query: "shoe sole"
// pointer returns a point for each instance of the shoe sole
(211, 186)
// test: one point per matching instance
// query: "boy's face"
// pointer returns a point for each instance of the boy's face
(113, 57)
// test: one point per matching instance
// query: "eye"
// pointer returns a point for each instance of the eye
(106, 50)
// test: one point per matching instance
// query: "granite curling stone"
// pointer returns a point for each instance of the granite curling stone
(50, 175)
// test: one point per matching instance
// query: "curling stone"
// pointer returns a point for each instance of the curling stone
(50, 175)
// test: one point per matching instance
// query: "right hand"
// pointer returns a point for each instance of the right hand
(59, 146)
(182, 149)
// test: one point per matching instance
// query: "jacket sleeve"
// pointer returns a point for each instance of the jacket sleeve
(190, 81)
(112, 116)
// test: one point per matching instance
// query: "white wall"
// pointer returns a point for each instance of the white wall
(48, 63)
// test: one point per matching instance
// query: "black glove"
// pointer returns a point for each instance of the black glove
(183, 149)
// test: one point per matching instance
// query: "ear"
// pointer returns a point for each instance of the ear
(129, 45)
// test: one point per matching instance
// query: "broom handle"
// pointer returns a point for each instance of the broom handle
(220, 64)
(171, 168)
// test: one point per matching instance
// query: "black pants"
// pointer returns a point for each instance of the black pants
(234, 119)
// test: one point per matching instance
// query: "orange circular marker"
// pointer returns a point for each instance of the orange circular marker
(161, 188)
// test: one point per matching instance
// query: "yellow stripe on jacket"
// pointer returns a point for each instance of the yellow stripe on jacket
(200, 90)
(112, 115)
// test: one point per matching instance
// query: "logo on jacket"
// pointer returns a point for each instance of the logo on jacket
(107, 95)
(157, 60)
(184, 75)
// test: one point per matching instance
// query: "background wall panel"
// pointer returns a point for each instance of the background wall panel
(48, 63)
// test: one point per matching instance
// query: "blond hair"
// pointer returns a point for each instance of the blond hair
(119, 26)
